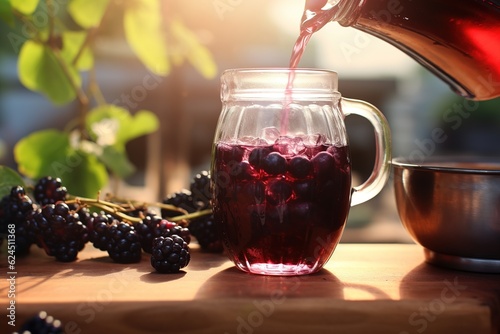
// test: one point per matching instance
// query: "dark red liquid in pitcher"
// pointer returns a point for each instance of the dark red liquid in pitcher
(457, 40)
(281, 209)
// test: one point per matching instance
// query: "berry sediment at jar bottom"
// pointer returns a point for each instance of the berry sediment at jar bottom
(278, 205)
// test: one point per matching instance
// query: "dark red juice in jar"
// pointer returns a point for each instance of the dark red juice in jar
(280, 208)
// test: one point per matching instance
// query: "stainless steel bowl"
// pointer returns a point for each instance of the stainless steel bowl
(451, 206)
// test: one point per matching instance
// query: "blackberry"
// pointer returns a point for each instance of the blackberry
(84, 213)
(60, 232)
(170, 254)
(200, 190)
(49, 190)
(99, 231)
(205, 232)
(16, 208)
(155, 226)
(140, 212)
(124, 244)
(182, 199)
(42, 323)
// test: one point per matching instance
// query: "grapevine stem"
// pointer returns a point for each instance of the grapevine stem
(50, 8)
(97, 202)
(155, 204)
(119, 211)
(193, 215)
(88, 38)
(95, 89)
(112, 208)
(82, 97)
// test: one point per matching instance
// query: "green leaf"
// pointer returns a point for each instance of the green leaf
(197, 54)
(26, 7)
(6, 12)
(87, 13)
(111, 125)
(40, 71)
(9, 178)
(38, 153)
(117, 161)
(49, 152)
(143, 30)
(87, 178)
(72, 43)
(141, 123)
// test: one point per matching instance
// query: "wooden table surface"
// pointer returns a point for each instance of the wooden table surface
(364, 288)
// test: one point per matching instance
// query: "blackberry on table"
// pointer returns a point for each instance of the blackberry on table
(84, 213)
(16, 208)
(49, 190)
(182, 199)
(42, 323)
(59, 231)
(170, 254)
(141, 211)
(99, 229)
(204, 230)
(124, 243)
(200, 190)
(155, 226)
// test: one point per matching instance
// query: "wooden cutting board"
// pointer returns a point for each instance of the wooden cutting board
(364, 288)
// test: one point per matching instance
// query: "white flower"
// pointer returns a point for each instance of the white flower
(106, 131)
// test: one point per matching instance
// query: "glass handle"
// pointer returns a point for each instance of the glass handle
(380, 174)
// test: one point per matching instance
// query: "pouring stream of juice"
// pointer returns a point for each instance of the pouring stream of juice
(311, 22)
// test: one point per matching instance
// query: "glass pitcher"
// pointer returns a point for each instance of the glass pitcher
(457, 40)
(281, 169)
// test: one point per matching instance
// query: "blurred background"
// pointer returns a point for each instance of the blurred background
(259, 33)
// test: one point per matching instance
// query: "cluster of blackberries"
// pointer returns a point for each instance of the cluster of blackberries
(118, 238)
(62, 228)
(153, 226)
(59, 231)
(197, 198)
(49, 222)
(42, 323)
(15, 209)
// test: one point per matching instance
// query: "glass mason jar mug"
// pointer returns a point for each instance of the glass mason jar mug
(281, 170)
